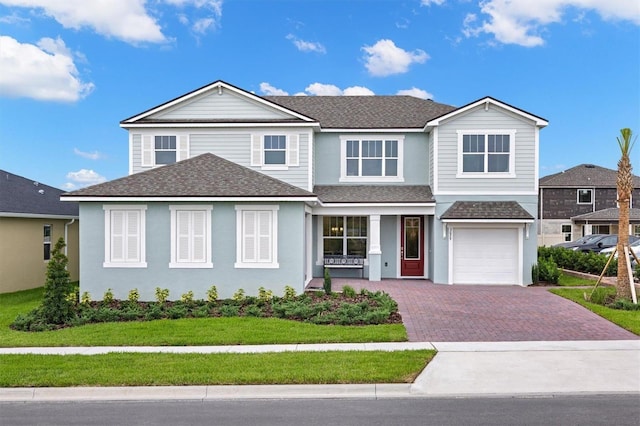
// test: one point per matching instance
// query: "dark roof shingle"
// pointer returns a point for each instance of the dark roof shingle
(19, 195)
(588, 175)
(607, 215)
(486, 210)
(206, 175)
(374, 193)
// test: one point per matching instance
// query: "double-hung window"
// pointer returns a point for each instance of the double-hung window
(161, 149)
(371, 159)
(165, 149)
(344, 235)
(275, 151)
(124, 236)
(488, 153)
(47, 241)
(257, 236)
(190, 236)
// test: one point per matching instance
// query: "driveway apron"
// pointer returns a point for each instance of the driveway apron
(465, 313)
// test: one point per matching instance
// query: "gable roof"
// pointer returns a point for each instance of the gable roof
(486, 101)
(606, 216)
(584, 175)
(486, 210)
(204, 176)
(402, 194)
(22, 197)
(365, 112)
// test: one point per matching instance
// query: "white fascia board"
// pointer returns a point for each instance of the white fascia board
(376, 130)
(467, 193)
(37, 216)
(487, 100)
(380, 209)
(215, 86)
(314, 125)
(194, 199)
(486, 221)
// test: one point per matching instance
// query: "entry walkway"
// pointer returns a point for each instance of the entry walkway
(479, 313)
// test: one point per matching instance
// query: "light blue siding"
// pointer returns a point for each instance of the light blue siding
(96, 279)
(479, 119)
(228, 105)
(389, 245)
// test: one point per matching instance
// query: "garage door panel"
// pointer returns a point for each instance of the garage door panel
(485, 256)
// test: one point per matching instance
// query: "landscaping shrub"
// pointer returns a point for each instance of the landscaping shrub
(348, 291)
(548, 271)
(590, 263)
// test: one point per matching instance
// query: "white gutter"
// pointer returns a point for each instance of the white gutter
(66, 234)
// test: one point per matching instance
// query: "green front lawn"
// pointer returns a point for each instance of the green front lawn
(192, 332)
(572, 281)
(629, 320)
(136, 369)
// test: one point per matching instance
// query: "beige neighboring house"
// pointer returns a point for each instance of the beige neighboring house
(32, 219)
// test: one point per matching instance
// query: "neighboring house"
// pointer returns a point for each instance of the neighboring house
(581, 201)
(242, 191)
(32, 219)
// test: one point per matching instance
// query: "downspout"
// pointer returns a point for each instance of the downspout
(66, 234)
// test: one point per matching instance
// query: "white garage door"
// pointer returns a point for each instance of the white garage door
(485, 256)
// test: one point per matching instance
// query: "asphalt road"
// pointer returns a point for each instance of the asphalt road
(616, 410)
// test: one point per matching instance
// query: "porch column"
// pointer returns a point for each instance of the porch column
(375, 254)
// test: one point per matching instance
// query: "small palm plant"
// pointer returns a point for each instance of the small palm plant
(625, 188)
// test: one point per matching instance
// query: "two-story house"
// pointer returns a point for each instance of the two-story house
(580, 201)
(243, 191)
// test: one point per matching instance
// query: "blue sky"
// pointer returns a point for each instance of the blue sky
(71, 70)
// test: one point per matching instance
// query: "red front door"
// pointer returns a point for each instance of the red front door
(412, 246)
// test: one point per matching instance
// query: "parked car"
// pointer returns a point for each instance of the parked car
(596, 242)
(635, 247)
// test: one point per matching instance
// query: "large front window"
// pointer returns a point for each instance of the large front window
(345, 235)
(488, 152)
(371, 159)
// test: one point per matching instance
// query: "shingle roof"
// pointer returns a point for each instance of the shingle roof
(607, 215)
(486, 210)
(374, 193)
(584, 175)
(364, 112)
(19, 195)
(206, 175)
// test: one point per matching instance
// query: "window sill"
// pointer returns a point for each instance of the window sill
(371, 179)
(274, 167)
(239, 265)
(194, 265)
(124, 265)
(485, 175)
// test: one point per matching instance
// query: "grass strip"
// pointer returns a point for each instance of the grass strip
(567, 280)
(183, 332)
(629, 320)
(162, 369)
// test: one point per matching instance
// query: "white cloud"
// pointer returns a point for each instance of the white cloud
(44, 72)
(430, 2)
(83, 177)
(320, 89)
(357, 91)
(416, 93)
(385, 58)
(269, 90)
(205, 14)
(306, 46)
(95, 155)
(126, 20)
(522, 22)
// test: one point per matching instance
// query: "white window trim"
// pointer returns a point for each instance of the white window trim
(292, 150)
(578, 196)
(148, 150)
(174, 232)
(141, 236)
(564, 233)
(343, 158)
(45, 242)
(240, 237)
(486, 174)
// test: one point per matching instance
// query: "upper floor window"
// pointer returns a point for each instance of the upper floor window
(488, 152)
(371, 159)
(585, 196)
(158, 150)
(47, 242)
(190, 236)
(274, 151)
(124, 236)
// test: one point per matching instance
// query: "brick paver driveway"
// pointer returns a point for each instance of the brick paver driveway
(462, 313)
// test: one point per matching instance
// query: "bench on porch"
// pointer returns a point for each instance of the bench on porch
(344, 262)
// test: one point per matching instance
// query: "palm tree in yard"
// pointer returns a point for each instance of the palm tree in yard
(625, 188)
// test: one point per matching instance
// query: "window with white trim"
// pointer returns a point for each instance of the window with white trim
(163, 149)
(344, 235)
(585, 196)
(47, 241)
(124, 236)
(275, 151)
(488, 152)
(190, 236)
(566, 232)
(371, 158)
(257, 236)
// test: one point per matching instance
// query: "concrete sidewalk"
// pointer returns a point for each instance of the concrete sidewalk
(459, 369)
